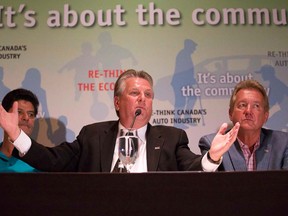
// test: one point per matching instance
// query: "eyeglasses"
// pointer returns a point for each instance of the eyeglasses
(30, 114)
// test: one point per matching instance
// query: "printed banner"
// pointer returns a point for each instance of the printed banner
(70, 55)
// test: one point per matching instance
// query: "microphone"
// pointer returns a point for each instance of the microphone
(137, 113)
(128, 147)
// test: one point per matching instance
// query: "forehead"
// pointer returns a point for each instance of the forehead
(25, 105)
(249, 94)
(136, 82)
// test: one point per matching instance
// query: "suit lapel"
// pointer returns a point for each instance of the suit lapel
(264, 152)
(154, 147)
(107, 146)
(263, 155)
(236, 158)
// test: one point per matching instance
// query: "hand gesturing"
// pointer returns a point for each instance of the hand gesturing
(222, 142)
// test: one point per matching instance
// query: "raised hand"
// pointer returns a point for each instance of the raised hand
(9, 121)
(222, 142)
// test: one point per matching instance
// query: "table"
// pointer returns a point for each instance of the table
(156, 193)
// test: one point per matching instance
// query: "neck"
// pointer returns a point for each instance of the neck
(136, 125)
(249, 137)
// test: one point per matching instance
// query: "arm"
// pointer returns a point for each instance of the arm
(63, 157)
(40, 157)
(285, 163)
(205, 143)
(222, 142)
(9, 121)
(285, 154)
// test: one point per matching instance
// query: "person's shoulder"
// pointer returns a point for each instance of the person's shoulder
(3, 158)
(209, 135)
(166, 128)
(278, 139)
(100, 125)
(271, 132)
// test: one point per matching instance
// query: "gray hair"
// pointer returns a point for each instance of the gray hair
(121, 84)
(249, 84)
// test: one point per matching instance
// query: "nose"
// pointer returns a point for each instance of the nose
(141, 97)
(248, 108)
(25, 116)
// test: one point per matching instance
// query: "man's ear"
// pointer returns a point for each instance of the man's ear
(230, 114)
(266, 116)
(116, 102)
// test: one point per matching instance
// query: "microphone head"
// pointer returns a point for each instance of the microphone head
(137, 112)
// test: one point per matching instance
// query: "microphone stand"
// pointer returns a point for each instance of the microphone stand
(137, 113)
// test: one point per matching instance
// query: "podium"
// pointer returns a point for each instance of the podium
(156, 193)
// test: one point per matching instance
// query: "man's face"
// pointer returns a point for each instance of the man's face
(138, 94)
(249, 110)
(26, 116)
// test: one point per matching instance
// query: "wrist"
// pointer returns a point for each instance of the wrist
(14, 135)
(211, 160)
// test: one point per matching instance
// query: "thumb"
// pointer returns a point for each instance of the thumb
(15, 107)
(223, 128)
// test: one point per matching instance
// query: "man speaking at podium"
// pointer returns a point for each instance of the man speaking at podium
(163, 148)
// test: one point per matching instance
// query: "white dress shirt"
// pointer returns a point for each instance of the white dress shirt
(140, 164)
(23, 144)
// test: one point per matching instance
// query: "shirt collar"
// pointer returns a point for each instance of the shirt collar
(244, 146)
(141, 131)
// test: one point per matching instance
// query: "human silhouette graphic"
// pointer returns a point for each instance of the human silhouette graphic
(32, 82)
(111, 56)
(3, 91)
(3, 88)
(98, 110)
(184, 76)
(278, 95)
(81, 65)
(63, 133)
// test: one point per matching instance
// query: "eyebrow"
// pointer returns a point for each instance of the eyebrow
(19, 109)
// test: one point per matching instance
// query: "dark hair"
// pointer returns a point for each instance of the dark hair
(20, 94)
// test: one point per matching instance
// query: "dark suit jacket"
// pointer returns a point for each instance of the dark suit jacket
(272, 153)
(92, 151)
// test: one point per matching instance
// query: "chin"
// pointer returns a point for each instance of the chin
(28, 131)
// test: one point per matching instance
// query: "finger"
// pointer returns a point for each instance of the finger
(223, 128)
(15, 107)
(234, 130)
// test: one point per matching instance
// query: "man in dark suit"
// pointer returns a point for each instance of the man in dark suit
(255, 148)
(162, 148)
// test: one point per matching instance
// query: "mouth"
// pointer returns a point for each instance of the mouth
(24, 126)
(247, 119)
(140, 108)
